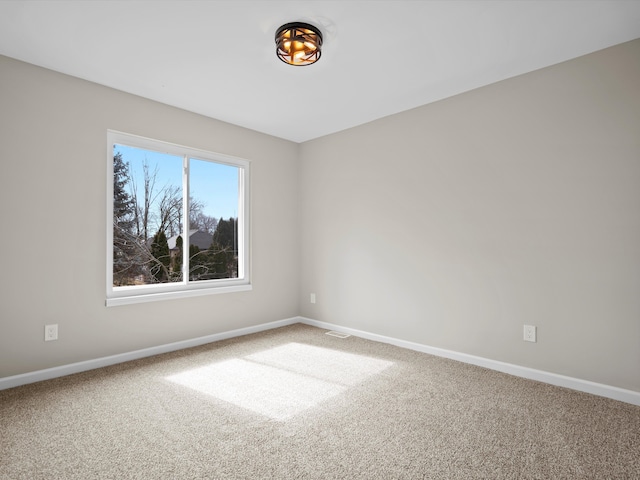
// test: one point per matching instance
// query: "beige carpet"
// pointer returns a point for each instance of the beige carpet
(295, 403)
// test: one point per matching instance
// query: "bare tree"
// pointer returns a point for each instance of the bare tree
(159, 209)
(203, 222)
(170, 210)
(142, 217)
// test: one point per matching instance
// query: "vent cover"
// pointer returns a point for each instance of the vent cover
(333, 333)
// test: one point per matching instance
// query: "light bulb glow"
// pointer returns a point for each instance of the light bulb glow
(298, 44)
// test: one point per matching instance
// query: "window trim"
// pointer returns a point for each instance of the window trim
(125, 295)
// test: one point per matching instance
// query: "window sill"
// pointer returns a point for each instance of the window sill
(154, 297)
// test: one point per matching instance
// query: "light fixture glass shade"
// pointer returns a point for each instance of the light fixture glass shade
(298, 43)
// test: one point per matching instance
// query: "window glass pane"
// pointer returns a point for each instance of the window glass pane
(213, 220)
(178, 221)
(147, 216)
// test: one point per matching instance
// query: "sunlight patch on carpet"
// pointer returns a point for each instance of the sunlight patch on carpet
(283, 381)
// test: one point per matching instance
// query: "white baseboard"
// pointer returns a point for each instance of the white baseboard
(49, 373)
(615, 393)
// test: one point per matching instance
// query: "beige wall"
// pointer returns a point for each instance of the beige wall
(450, 225)
(454, 224)
(53, 211)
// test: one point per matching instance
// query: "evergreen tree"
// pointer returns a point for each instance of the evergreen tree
(198, 263)
(226, 234)
(177, 259)
(124, 262)
(222, 263)
(161, 257)
(223, 253)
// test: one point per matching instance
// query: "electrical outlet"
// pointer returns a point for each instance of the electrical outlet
(312, 298)
(50, 332)
(529, 333)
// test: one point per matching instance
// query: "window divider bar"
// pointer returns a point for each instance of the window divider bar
(186, 222)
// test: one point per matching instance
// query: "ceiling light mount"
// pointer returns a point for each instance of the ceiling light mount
(298, 43)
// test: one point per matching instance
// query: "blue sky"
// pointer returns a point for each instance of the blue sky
(213, 184)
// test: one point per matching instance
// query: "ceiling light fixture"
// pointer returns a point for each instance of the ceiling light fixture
(298, 43)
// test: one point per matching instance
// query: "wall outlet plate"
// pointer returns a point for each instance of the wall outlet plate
(50, 332)
(529, 333)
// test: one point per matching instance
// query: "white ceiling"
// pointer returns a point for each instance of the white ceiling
(217, 58)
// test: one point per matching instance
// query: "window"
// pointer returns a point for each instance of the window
(177, 221)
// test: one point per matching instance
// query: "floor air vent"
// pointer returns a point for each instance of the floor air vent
(333, 333)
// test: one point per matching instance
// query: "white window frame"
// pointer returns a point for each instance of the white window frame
(147, 293)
